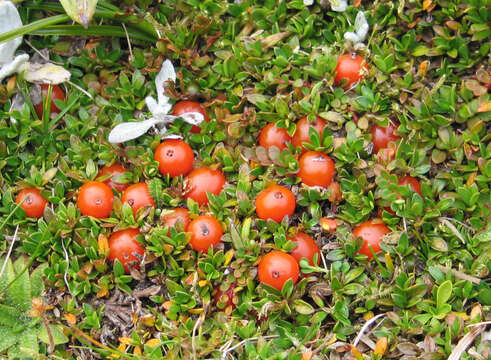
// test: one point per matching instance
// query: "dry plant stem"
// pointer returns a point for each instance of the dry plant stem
(466, 341)
(365, 327)
(51, 346)
(80, 333)
(10, 251)
(81, 89)
(129, 42)
(453, 229)
(459, 274)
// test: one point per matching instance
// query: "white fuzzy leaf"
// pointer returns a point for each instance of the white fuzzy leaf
(152, 105)
(131, 130)
(361, 25)
(159, 109)
(13, 66)
(45, 73)
(9, 20)
(351, 36)
(361, 29)
(339, 5)
(193, 118)
(308, 2)
(166, 73)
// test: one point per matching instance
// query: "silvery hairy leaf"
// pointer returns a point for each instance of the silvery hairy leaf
(361, 29)
(13, 66)
(159, 109)
(9, 20)
(339, 5)
(132, 130)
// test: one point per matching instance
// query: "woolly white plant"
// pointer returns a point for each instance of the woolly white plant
(159, 109)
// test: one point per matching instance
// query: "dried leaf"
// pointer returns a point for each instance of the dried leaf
(71, 319)
(103, 244)
(45, 73)
(381, 346)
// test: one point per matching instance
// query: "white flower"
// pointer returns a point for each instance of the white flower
(10, 20)
(339, 5)
(361, 29)
(159, 109)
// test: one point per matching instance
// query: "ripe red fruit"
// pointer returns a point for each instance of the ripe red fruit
(137, 196)
(350, 69)
(95, 199)
(186, 106)
(124, 246)
(178, 217)
(276, 267)
(306, 248)
(34, 203)
(381, 137)
(302, 130)
(56, 93)
(275, 202)
(205, 231)
(316, 169)
(113, 171)
(271, 135)
(412, 182)
(204, 180)
(175, 157)
(371, 232)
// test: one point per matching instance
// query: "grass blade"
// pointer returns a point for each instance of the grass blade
(35, 25)
(99, 30)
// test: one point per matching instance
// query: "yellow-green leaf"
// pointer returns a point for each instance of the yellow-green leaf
(81, 11)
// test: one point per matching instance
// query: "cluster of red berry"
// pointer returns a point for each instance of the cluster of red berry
(176, 158)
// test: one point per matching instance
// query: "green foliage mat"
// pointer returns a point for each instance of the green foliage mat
(251, 63)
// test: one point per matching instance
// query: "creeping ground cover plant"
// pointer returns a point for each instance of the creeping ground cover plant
(245, 179)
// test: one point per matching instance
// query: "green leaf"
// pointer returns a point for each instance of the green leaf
(20, 291)
(7, 337)
(9, 315)
(29, 346)
(420, 50)
(287, 288)
(96, 30)
(155, 187)
(443, 294)
(81, 11)
(303, 307)
(33, 26)
(37, 283)
(7, 276)
(58, 336)
(353, 274)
